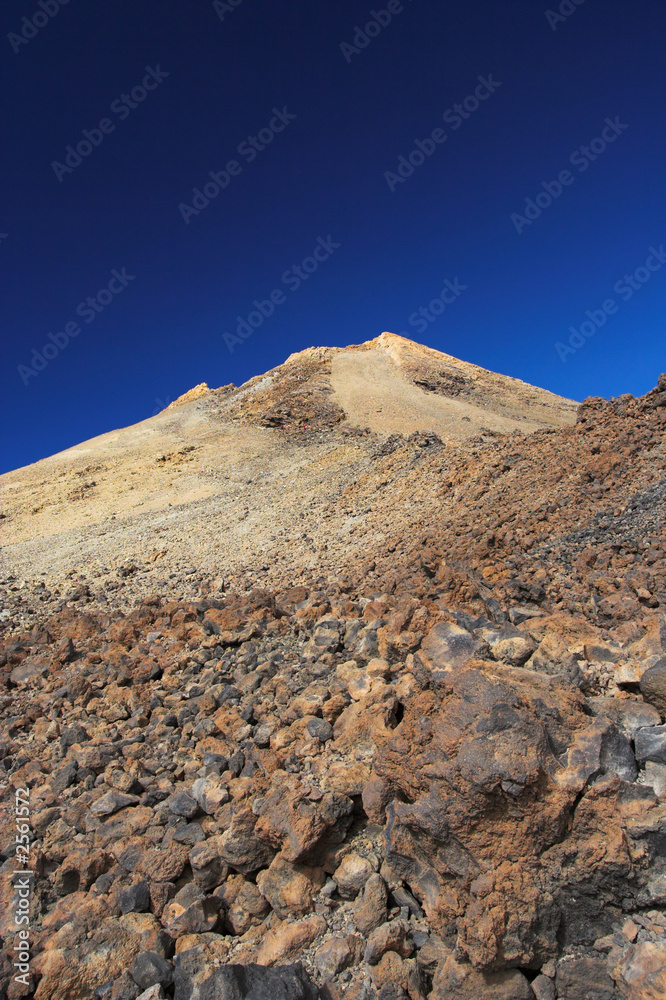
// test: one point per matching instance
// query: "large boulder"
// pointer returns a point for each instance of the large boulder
(508, 818)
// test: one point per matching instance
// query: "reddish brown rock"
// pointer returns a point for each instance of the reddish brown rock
(641, 974)
(370, 908)
(284, 941)
(459, 981)
(290, 888)
(488, 774)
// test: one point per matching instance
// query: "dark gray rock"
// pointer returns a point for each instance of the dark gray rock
(651, 744)
(104, 883)
(182, 804)
(112, 802)
(74, 734)
(653, 685)
(237, 763)
(616, 755)
(391, 991)
(321, 729)
(402, 897)
(190, 834)
(628, 715)
(240, 982)
(583, 978)
(543, 988)
(149, 969)
(124, 988)
(63, 778)
(214, 763)
(135, 898)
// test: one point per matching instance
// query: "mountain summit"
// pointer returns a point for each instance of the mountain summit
(393, 385)
(226, 470)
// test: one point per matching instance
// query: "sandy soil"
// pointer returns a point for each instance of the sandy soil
(374, 393)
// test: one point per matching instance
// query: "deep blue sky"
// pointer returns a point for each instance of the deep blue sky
(323, 176)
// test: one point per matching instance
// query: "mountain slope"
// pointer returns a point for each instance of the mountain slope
(287, 689)
(178, 482)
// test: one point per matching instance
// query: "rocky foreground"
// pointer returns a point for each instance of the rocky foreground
(440, 774)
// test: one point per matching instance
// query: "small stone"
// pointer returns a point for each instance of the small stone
(53, 731)
(653, 685)
(628, 715)
(582, 978)
(630, 930)
(135, 899)
(390, 973)
(617, 756)
(289, 982)
(336, 955)
(320, 729)
(290, 888)
(124, 988)
(182, 804)
(391, 936)
(262, 736)
(190, 834)
(449, 647)
(392, 991)
(655, 775)
(543, 988)
(152, 993)
(376, 796)
(64, 777)
(102, 884)
(285, 941)
(352, 874)
(370, 909)
(651, 744)
(112, 802)
(378, 667)
(210, 793)
(403, 898)
(208, 867)
(190, 912)
(359, 685)
(150, 969)
(214, 763)
(246, 905)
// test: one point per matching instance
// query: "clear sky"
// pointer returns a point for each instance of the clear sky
(364, 156)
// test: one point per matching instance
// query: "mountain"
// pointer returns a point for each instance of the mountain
(220, 477)
(345, 684)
